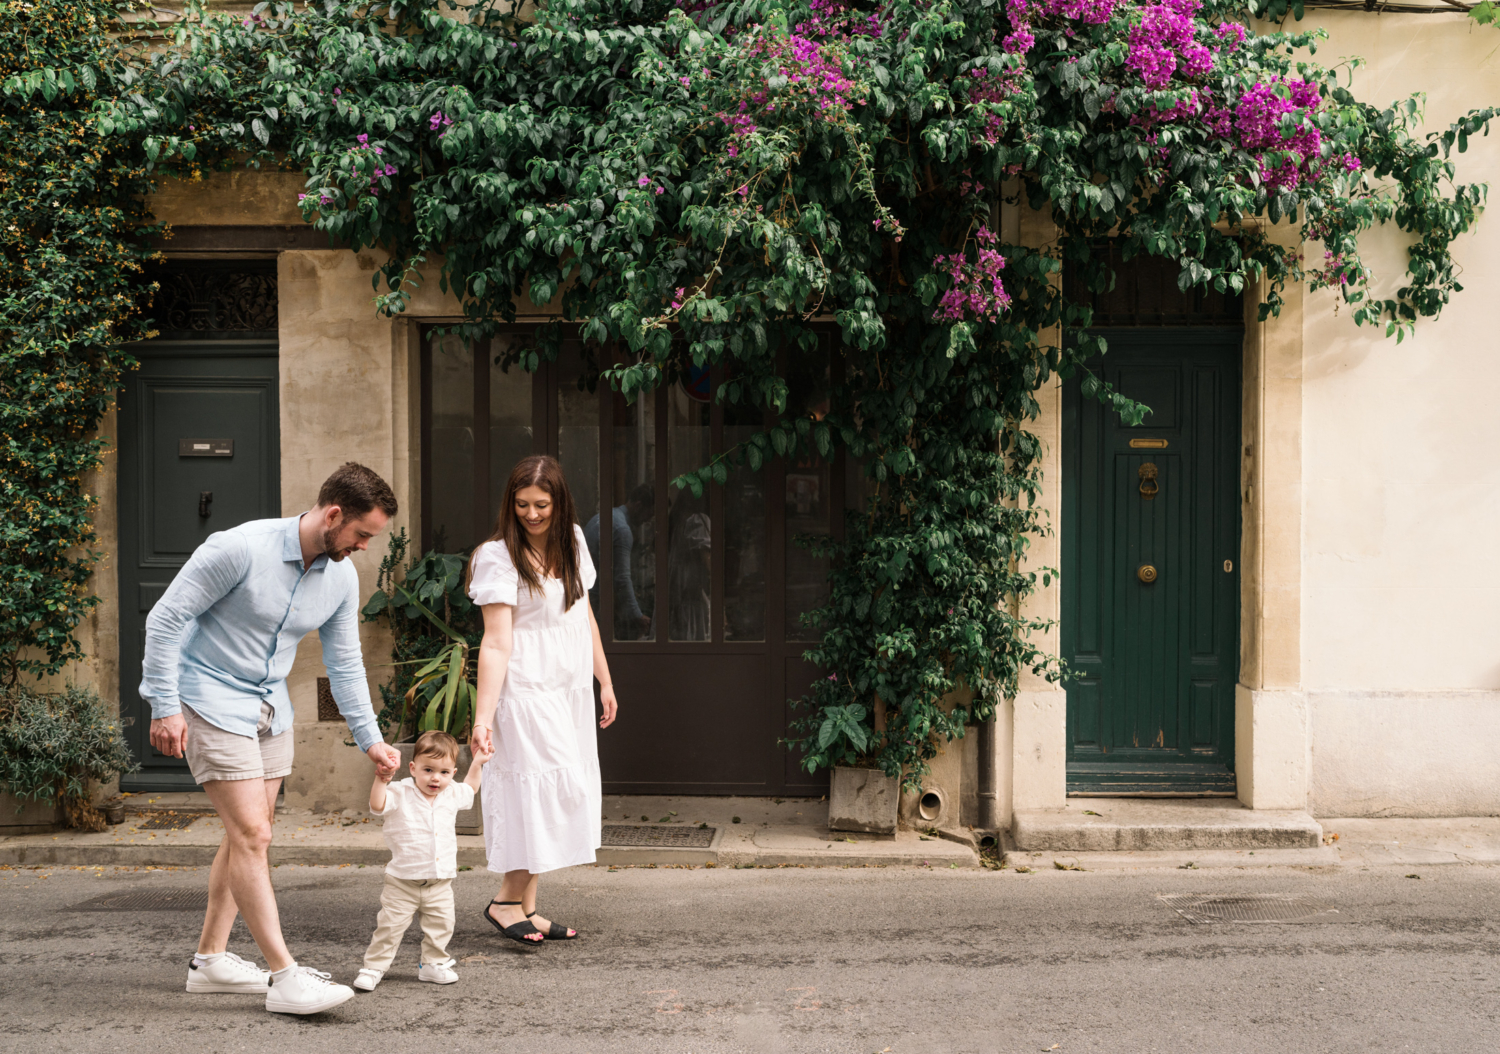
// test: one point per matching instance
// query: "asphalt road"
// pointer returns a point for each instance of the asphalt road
(858, 961)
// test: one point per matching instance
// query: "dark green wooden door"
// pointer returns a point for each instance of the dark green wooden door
(199, 452)
(1151, 533)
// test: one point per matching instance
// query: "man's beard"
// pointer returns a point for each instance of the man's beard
(333, 554)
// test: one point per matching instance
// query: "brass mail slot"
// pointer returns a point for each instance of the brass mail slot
(205, 448)
(1148, 444)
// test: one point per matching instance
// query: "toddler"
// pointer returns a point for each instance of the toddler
(420, 813)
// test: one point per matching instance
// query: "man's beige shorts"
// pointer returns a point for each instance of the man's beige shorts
(214, 754)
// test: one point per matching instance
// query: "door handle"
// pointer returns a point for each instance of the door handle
(1146, 573)
(205, 499)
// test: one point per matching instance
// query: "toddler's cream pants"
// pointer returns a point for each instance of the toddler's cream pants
(429, 898)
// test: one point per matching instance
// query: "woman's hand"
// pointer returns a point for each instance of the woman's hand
(479, 742)
(607, 700)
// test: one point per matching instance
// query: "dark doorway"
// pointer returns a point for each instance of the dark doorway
(1151, 531)
(199, 452)
(698, 598)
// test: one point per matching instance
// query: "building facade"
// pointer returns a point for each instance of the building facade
(1280, 588)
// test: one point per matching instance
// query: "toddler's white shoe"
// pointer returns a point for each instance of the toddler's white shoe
(368, 979)
(437, 973)
(305, 991)
(227, 973)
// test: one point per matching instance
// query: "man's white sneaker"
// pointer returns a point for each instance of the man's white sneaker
(305, 991)
(437, 973)
(368, 979)
(227, 973)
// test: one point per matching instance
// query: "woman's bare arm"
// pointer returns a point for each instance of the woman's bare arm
(494, 661)
(601, 674)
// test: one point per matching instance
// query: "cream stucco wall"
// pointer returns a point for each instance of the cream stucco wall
(1400, 639)
(345, 380)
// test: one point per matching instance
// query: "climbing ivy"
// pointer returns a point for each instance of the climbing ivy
(700, 185)
(72, 225)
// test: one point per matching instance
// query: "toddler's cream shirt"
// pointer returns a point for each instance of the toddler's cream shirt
(419, 830)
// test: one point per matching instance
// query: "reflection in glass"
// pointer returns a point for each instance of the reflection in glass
(632, 468)
(744, 534)
(510, 420)
(452, 444)
(689, 529)
(807, 497)
(578, 427)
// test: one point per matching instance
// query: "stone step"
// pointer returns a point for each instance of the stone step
(1098, 825)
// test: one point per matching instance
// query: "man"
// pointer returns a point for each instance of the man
(219, 644)
(631, 623)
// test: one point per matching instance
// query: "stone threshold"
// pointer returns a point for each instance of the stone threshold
(1097, 825)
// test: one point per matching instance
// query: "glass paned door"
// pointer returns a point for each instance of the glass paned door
(697, 597)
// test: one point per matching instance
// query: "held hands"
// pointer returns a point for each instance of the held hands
(480, 742)
(169, 735)
(607, 701)
(480, 752)
(387, 758)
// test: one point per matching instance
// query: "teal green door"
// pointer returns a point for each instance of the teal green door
(199, 453)
(1150, 535)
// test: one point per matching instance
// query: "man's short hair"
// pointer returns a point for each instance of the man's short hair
(436, 744)
(357, 490)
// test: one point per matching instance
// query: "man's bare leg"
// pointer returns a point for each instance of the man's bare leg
(242, 805)
(222, 909)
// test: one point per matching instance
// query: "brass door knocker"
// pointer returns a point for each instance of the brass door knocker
(1147, 472)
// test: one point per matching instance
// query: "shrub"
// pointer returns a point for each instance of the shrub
(429, 611)
(53, 743)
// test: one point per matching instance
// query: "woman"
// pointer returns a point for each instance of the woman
(541, 645)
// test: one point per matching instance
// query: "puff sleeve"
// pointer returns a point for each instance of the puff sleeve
(585, 561)
(494, 578)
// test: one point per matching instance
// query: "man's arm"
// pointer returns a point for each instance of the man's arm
(215, 568)
(211, 573)
(345, 664)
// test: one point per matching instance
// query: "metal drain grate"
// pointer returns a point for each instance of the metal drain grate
(147, 900)
(1248, 907)
(674, 836)
(166, 821)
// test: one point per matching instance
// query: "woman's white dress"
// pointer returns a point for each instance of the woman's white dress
(541, 793)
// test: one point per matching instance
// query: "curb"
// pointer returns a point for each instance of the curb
(738, 851)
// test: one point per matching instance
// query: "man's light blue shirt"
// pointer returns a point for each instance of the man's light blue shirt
(223, 636)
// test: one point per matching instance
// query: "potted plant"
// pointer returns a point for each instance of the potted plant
(432, 656)
(861, 797)
(52, 745)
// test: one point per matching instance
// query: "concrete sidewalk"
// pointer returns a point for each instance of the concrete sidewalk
(746, 832)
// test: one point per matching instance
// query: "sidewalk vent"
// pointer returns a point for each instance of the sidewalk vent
(147, 900)
(166, 821)
(1202, 908)
(674, 836)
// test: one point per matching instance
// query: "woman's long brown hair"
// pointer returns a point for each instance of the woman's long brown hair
(561, 557)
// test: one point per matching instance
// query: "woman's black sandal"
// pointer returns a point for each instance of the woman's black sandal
(558, 933)
(516, 931)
